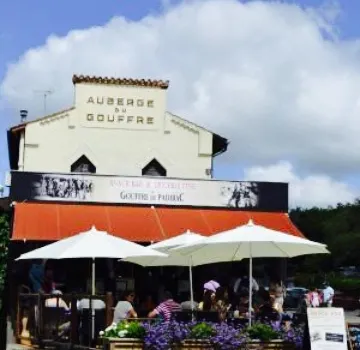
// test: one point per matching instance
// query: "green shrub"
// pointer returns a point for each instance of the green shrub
(308, 280)
(339, 283)
(4, 242)
(202, 331)
(349, 285)
(262, 332)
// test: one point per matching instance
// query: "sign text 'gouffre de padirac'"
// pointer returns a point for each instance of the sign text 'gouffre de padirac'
(249, 195)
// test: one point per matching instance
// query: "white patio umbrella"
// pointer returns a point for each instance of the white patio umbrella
(249, 241)
(173, 258)
(91, 244)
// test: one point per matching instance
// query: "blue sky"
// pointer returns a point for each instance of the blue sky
(28, 24)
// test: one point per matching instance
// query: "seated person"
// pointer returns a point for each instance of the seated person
(124, 308)
(56, 301)
(260, 297)
(211, 286)
(186, 305)
(267, 308)
(243, 306)
(166, 308)
(209, 302)
(96, 304)
(84, 303)
(222, 304)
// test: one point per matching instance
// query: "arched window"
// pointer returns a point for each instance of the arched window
(154, 168)
(83, 165)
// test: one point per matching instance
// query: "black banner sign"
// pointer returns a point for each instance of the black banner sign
(245, 195)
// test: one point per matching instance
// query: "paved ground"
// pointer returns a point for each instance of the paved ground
(353, 316)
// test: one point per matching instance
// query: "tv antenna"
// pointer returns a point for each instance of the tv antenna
(45, 94)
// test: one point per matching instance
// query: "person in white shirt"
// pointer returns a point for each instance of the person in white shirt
(96, 304)
(56, 301)
(328, 295)
(84, 303)
(243, 283)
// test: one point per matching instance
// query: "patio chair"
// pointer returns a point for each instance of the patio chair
(54, 323)
(85, 326)
(207, 316)
(182, 316)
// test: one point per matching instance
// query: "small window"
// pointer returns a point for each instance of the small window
(83, 165)
(154, 168)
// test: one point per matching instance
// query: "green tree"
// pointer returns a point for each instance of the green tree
(338, 227)
(4, 242)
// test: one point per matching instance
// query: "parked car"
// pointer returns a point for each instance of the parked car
(294, 296)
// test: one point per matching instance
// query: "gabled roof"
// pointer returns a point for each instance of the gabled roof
(220, 143)
(22, 126)
(162, 84)
(13, 137)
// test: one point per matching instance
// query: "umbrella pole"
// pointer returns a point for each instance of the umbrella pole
(191, 285)
(250, 285)
(93, 291)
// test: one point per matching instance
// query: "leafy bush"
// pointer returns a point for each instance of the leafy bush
(4, 241)
(349, 285)
(262, 332)
(202, 331)
(308, 280)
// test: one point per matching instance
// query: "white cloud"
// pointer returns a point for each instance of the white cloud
(307, 191)
(259, 73)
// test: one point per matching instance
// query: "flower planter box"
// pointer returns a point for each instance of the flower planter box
(196, 344)
(122, 344)
(270, 345)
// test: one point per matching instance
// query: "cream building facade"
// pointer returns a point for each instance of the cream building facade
(116, 127)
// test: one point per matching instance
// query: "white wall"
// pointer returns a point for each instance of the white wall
(120, 146)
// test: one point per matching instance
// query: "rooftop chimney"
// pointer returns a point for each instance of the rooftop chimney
(23, 115)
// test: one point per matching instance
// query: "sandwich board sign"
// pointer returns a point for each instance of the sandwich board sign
(327, 328)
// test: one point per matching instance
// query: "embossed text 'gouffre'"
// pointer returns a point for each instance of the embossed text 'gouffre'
(121, 119)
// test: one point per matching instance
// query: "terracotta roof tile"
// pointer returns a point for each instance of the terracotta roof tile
(162, 84)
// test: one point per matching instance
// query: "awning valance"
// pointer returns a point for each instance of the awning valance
(51, 221)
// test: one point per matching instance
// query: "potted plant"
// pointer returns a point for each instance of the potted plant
(262, 332)
(124, 335)
(199, 337)
(265, 336)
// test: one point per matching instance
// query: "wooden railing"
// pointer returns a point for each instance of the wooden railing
(37, 323)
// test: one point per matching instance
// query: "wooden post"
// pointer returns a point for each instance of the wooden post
(18, 317)
(74, 321)
(40, 318)
(109, 302)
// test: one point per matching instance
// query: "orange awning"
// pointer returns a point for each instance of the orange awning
(50, 221)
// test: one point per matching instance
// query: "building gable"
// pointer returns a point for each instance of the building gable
(120, 125)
